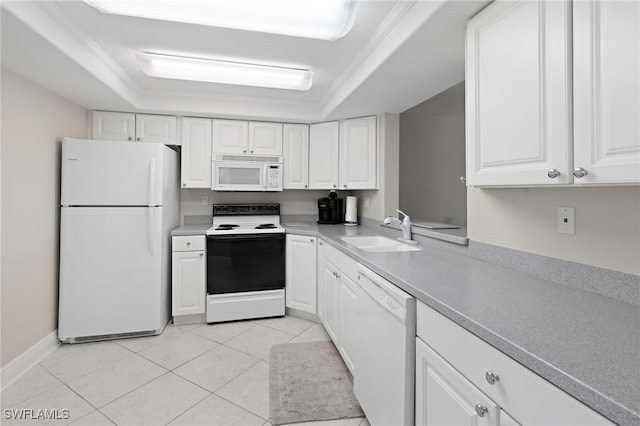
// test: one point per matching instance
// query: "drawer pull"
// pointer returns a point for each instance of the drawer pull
(481, 410)
(491, 377)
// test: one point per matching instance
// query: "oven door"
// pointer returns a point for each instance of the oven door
(240, 263)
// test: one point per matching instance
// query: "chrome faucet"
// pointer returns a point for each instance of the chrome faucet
(405, 226)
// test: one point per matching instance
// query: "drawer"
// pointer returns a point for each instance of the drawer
(188, 243)
(529, 398)
(344, 263)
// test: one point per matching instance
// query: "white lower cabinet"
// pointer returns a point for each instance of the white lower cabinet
(336, 299)
(446, 397)
(457, 374)
(188, 275)
(300, 275)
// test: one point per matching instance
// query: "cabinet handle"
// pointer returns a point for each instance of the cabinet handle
(130, 138)
(491, 377)
(580, 172)
(553, 173)
(481, 410)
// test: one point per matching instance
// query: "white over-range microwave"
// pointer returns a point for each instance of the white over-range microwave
(231, 172)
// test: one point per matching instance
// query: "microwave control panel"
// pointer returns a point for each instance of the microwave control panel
(273, 177)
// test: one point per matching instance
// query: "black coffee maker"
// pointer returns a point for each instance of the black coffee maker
(331, 209)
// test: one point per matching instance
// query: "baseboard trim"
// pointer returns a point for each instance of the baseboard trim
(23, 362)
(301, 314)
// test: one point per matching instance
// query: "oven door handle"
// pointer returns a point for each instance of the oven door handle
(237, 237)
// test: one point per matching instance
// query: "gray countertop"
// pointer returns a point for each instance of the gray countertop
(586, 344)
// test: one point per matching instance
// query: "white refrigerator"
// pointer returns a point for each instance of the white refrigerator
(119, 202)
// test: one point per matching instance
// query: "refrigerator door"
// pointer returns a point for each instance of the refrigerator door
(106, 173)
(111, 278)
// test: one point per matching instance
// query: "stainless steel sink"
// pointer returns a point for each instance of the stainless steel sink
(378, 244)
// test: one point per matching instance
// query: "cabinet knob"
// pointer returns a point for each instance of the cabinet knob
(321, 243)
(345, 185)
(463, 179)
(138, 139)
(580, 172)
(252, 151)
(491, 377)
(184, 184)
(130, 138)
(244, 151)
(334, 185)
(311, 240)
(188, 243)
(481, 410)
(553, 173)
(306, 186)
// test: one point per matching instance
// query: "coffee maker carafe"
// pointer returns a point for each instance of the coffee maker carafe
(330, 209)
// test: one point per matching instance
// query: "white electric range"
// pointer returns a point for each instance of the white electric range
(245, 262)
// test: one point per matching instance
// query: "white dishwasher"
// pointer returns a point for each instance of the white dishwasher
(385, 353)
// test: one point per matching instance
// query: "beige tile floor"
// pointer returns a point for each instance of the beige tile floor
(214, 375)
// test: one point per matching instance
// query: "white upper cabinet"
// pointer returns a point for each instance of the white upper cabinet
(156, 128)
(606, 67)
(296, 156)
(532, 118)
(324, 155)
(123, 126)
(196, 153)
(114, 126)
(230, 137)
(265, 138)
(247, 137)
(518, 89)
(358, 155)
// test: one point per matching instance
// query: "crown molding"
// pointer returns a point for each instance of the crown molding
(50, 22)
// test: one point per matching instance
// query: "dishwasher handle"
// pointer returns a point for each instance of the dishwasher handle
(371, 289)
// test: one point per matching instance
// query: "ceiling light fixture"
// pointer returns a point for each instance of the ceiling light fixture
(319, 19)
(225, 72)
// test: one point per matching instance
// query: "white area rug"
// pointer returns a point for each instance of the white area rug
(309, 382)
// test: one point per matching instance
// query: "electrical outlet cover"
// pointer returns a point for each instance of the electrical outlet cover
(567, 220)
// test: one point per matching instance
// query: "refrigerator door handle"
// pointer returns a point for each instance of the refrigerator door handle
(150, 229)
(152, 181)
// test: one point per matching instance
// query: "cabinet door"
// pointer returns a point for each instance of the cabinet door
(323, 155)
(230, 137)
(296, 156)
(196, 153)
(358, 155)
(607, 91)
(518, 86)
(265, 138)
(188, 283)
(113, 126)
(331, 296)
(300, 277)
(157, 128)
(445, 397)
(348, 329)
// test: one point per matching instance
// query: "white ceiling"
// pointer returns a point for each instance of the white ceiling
(398, 54)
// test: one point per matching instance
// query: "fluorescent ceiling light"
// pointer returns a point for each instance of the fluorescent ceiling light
(214, 71)
(320, 19)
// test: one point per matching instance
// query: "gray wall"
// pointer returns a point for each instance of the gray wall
(34, 120)
(432, 159)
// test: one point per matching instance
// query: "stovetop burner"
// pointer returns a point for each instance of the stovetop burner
(224, 226)
(266, 226)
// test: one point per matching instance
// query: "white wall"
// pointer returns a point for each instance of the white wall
(34, 120)
(607, 223)
(291, 201)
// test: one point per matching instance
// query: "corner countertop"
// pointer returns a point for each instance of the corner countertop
(586, 344)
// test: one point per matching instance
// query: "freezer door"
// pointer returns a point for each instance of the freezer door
(105, 173)
(111, 276)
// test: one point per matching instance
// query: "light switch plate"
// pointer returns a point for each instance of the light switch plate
(567, 220)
